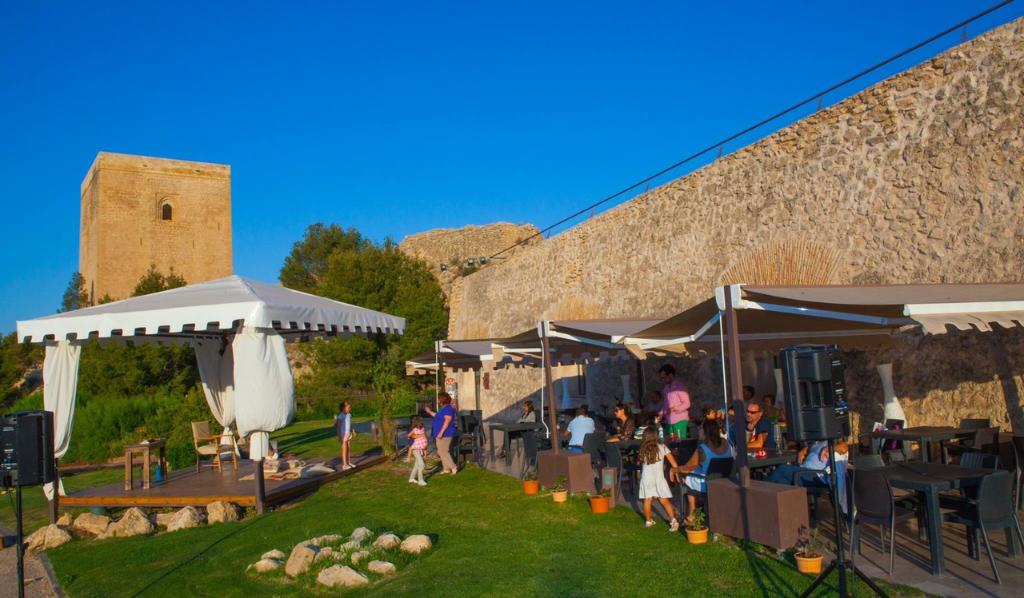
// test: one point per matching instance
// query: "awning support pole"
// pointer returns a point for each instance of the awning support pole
(739, 420)
(552, 415)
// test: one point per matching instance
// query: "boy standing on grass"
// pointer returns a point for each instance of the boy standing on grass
(343, 424)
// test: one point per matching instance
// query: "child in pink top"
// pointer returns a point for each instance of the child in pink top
(417, 450)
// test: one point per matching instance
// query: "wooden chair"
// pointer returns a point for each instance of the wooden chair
(209, 445)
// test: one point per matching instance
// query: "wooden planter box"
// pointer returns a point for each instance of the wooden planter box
(774, 512)
(575, 467)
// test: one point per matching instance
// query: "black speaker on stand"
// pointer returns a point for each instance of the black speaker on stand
(812, 378)
(26, 459)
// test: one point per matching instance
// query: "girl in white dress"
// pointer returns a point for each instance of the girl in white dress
(652, 477)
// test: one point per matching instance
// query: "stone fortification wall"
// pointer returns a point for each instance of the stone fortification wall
(916, 179)
(125, 229)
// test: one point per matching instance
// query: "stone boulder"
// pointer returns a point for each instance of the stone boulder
(359, 556)
(220, 512)
(300, 559)
(360, 534)
(275, 554)
(387, 542)
(325, 540)
(381, 567)
(184, 518)
(416, 544)
(91, 524)
(45, 538)
(64, 520)
(164, 519)
(350, 546)
(325, 553)
(134, 522)
(340, 575)
(264, 565)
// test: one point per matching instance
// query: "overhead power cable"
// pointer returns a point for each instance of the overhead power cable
(717, 145)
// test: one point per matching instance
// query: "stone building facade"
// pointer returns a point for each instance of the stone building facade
(915, 179)
(139, 212)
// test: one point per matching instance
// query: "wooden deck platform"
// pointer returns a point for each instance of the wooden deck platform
(187, 487)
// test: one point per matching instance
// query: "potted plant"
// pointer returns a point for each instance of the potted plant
(558, 491)
(808, 556)
(530, 484)
(599, 502)
(697, 530)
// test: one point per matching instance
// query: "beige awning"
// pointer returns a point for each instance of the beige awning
(571, 341)
(772, 317)
(453, 356)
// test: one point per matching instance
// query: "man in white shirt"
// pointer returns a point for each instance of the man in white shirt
(580, 426)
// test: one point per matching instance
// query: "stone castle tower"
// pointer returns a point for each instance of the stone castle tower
(139, 211)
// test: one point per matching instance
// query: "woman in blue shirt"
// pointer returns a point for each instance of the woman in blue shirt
(443, 430)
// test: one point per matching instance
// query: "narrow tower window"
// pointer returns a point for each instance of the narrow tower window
(165, 211)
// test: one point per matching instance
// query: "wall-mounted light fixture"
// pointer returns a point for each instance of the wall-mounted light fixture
(444, 267)
(482, 260)
(470, 263)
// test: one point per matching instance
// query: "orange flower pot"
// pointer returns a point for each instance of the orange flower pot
(697, 536)
(531, 487)
(808, 564)
(598, 504)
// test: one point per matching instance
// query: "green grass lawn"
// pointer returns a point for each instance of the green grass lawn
(317, 438)
(490, 540)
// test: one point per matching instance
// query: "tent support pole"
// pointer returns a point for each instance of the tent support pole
(552, 415)
(261, 495)
(55, 502)
(739, 420)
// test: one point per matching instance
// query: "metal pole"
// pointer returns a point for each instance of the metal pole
(261, 495)
(21, 542)
(834, 490)
(739, 420)
(552, 415)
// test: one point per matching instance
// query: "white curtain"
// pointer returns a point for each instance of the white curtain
(264, 388)
(216, 368)
(60, 383)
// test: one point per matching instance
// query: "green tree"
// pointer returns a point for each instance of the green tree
(75, 296)
(154, 281)
(346, 266)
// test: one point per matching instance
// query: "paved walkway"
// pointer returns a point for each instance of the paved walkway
(37, 580)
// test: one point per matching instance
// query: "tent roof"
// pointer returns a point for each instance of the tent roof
(454, 355)
(210, 308)
(572, 341)
(775, 316)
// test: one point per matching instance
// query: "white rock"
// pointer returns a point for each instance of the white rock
(381, 567)
(325, 553)
(359, 556)
(264, 565)
(164, 519)
(360, 534)
(350, 546)
(134, 522)
(185, 518)
(45, 538)
(416, 544)
(91, 524)
(326, 540)
(300, 559)
(219, 512)
(275, 554)
(340, 575)
(387, 542)
(64, 520)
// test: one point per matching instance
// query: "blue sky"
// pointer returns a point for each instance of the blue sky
(400, 117)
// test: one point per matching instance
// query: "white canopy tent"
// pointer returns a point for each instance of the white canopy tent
(238, 328)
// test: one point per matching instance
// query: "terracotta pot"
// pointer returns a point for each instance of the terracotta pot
(560, 495)
(598, 504)
(697, 536)
(531, 486)
(808, 564)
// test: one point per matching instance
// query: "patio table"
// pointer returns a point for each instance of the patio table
(922, 435)
(144, 449)
(929, 479)
(771, 459)
(510, 429)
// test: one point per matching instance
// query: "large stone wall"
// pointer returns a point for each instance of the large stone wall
(124, 232)
(916, 179)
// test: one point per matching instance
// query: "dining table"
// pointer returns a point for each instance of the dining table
(508, 431)
(928, 480)
(923, 436)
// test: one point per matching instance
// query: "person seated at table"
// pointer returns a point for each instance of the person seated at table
(529, 416)
(768, 406)
(759, 430)
(713, 447)
(748, 394)
(580, 426)
(707, 413)
(813, 456)
(624, 426)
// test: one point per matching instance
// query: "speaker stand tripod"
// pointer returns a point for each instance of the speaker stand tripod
(839, 563)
